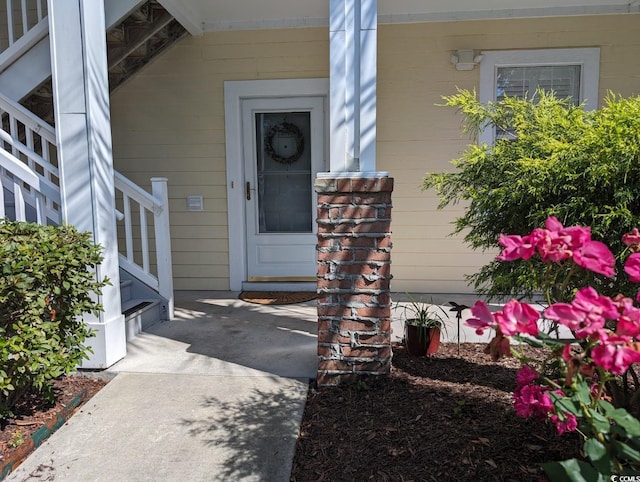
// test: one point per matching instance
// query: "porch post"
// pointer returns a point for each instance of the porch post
(83, 130)
(354, 210)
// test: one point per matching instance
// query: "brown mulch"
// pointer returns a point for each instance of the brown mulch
(447, 417)
(34, 411)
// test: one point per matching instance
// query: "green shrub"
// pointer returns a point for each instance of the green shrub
(581, 167)
(48, 281)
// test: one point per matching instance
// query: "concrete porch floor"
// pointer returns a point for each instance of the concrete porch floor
(215, 333)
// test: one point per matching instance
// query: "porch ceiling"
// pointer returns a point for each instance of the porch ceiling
(207, 15)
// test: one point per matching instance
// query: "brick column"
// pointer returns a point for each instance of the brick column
(354, 273)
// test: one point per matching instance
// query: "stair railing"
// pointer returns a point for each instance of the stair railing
(28, 147)
(25, 190)
(27, 24)
(139, 210)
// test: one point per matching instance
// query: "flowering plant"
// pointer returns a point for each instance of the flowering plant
(574, 388)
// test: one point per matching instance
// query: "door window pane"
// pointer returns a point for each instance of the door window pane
(284, 172)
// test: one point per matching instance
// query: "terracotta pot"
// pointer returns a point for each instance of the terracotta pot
(420, 340)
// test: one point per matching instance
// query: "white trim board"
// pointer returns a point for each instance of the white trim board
(234, 92)
(588, 58)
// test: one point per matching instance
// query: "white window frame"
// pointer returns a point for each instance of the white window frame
(587, 58)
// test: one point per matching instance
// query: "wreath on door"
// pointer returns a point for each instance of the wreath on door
(284, 129)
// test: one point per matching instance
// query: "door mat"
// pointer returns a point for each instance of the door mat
(277, 297)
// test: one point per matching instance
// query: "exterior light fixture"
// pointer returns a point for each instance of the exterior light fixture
(465, 59)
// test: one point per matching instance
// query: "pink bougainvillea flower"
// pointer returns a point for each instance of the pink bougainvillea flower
(559, 243)
(614, 356)
(586, 314)
(482, 317)
(516, 318)
(532, 401)
(578, 236)
(632, 240)
(552, 224)
(526, 375)
(595, 256)
(553, 246)
(566, 423)
(632, 267)
(515, 247)
(629, 320)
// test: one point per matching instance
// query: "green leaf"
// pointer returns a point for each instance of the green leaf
(625, 452)
(572, 470)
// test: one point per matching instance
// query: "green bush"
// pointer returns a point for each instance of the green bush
(48, 281)
(558, 160)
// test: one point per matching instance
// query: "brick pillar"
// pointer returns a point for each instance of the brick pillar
(354, 273)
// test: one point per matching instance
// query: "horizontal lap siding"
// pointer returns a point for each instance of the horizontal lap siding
(415, 135)
(169, 121)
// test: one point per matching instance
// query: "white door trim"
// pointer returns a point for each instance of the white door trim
(234, 92)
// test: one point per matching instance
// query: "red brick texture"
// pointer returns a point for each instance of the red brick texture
(354, 274)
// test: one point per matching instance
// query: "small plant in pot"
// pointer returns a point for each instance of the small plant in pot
(423, 324)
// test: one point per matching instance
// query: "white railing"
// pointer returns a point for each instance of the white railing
(27, 24)
(27, 146)
(139, 211)
(26, 192)
(30, 184)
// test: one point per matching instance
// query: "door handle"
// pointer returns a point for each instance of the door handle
(249, 189)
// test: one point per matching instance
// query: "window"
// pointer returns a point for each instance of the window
(569, 73)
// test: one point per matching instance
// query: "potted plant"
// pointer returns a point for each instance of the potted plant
(423, 324)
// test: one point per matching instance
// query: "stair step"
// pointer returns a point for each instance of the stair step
(140, 314)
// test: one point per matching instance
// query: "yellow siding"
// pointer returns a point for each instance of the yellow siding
(169, 121)
(415, 135)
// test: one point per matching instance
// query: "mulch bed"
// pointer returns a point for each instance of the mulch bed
(447, 417)
(36, 418)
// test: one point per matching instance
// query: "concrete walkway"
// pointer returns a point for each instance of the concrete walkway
(215, 395)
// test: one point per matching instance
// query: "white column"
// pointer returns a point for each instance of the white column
(353, 57)
(83, 130)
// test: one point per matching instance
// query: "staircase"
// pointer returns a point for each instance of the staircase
(131, 44)
(136, 32)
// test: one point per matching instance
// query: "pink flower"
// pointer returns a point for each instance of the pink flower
(632, 267)
(632, 239)
(552, 224)
(483, 318)
(515, 247)
(568, 423)
(629, 321)
(559, 243)
(526, 375)
(614, 357)
(517, 318)
(586, 314)
(595, 256)
(532, 401)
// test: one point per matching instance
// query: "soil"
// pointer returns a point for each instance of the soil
(32, 412)
(447, 417)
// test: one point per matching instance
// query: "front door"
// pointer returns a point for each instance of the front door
(283, 147)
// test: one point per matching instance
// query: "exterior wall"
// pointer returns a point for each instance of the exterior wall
(415, 135)
(169, 121)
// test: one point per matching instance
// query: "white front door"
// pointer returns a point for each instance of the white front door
(283, 150)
